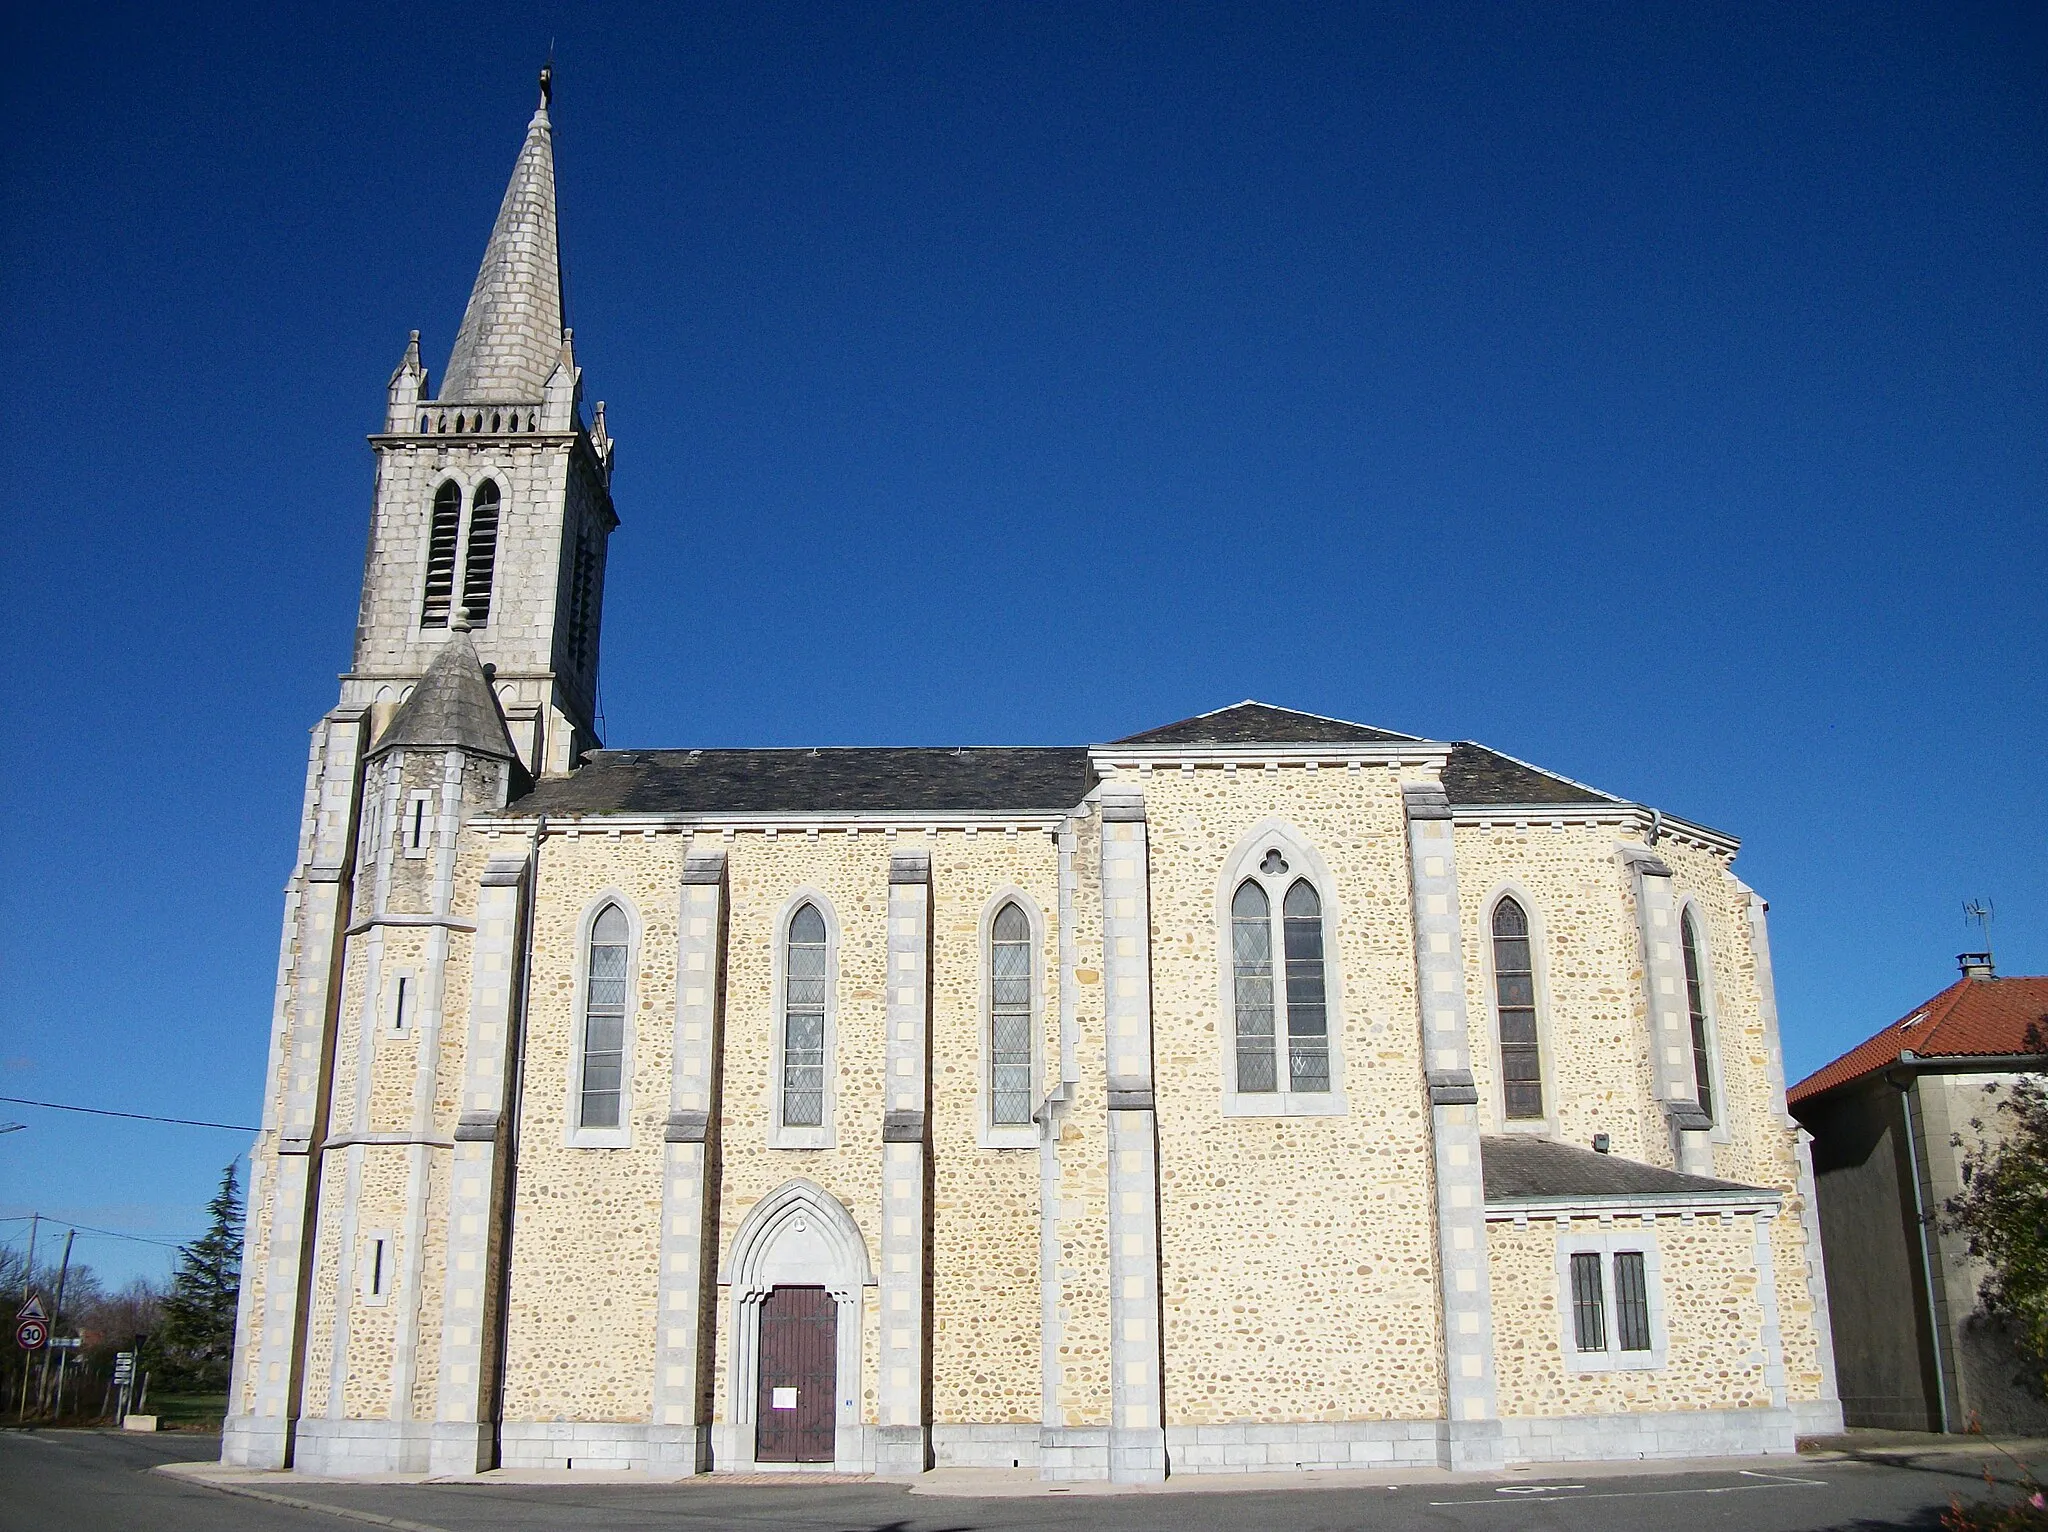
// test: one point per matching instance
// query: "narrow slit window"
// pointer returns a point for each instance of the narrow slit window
(1010, 1018)
(1251, 943)
(417, 825)
(1696, 1003)
(803, 1022)
(442, 532)
(400, 998)
(377, 1268)
(1308, 1016)
(1631, 1301)
(1514, 994)
(1589, 1303)
(604, 1020)
(480, 561)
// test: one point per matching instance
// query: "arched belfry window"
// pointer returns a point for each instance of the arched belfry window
(442, 534)
(1514, 999)
(1009, 1052)
(803, 1021)
(1696, 1005)
(481, 557)
(604, 1019)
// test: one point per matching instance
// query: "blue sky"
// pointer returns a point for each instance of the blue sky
(1654, 392)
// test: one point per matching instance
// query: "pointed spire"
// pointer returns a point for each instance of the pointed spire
(452, 707)
(512, 330)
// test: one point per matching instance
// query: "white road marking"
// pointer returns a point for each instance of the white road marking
(1542, 1492)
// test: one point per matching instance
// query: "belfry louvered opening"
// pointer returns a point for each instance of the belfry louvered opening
(442, 535)
(481, 557)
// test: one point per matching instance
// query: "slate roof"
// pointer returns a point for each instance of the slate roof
(1972, 1018)
(453, 706)
(982, 779)
(511, 333)
(1519, 1167)
(977, 780)
(1260, 723)
(1476, 775)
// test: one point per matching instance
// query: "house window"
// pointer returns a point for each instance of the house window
(1696, 1003)
(481, 556)
(604, 1020)
(442, 532)
(803, 1021)
(1010, 1018)
(1589, 1302)
(1514, 994)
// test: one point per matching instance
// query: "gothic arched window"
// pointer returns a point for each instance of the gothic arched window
(1298, 1010)
(1696, 1005)
(1251, 955)
(481, 558)
(1514, 1000)
(1308, 1013)
(1009, 1028)
(604, 1019)
(803, 1021)
(442, 533)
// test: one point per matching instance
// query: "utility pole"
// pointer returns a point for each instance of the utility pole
(56, 1313)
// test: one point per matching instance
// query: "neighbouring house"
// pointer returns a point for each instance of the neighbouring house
(1893, 1120)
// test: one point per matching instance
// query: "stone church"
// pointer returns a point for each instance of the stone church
(1259, 1091)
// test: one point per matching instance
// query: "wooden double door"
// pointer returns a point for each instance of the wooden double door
(799, 1376)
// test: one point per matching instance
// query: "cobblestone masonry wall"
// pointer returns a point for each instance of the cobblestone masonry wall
(1756, 1144)
(1713, 1319)
(1589, 971)
(580, 1327)
(1080, 1301)
(985, 1229)
(1299, 1253)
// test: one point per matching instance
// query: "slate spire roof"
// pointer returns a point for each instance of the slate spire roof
(452, 707)
(511, 333)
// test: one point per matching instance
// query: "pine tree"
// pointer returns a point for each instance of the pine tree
(197, 1340)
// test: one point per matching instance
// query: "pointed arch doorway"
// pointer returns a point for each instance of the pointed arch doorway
(796, 1279)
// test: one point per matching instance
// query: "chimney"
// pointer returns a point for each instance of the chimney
(1976, 965)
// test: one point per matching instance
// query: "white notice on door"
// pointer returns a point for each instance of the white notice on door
(783, 1399)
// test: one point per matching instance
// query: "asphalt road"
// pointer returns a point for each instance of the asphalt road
(92, 1481)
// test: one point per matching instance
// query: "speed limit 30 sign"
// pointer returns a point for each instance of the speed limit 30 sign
(31, 1326)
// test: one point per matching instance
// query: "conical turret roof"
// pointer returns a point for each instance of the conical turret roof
(452, 708)
(511, 332)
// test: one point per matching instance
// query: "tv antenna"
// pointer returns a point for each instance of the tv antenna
(1981, 911)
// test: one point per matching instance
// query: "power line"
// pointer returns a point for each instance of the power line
(86, 1228)
(183, 1122)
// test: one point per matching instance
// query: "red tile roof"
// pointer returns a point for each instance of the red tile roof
(1972, 1017)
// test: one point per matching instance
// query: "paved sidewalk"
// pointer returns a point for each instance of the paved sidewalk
(1004, 1483)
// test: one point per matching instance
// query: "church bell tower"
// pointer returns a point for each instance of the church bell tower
(474, 672)
(493, 498)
